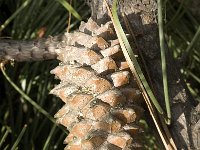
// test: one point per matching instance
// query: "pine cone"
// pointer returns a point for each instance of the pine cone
(101, 98)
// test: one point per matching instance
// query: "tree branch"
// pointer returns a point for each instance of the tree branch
(41, 49)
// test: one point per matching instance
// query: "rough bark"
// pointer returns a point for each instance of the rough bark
(41, 49)
(142, 16)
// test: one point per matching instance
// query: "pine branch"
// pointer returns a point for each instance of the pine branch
(36, 50)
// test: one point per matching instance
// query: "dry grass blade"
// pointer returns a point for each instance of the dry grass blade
(120, 33)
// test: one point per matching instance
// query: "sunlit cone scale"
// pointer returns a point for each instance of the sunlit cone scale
(101, 98)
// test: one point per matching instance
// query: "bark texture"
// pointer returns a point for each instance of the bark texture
(36, 50)
(142, 17)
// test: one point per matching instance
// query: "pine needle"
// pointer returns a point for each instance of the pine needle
(14, 15)
(136, 70)
(19, 138)
(163, 61)
(26, 97)
(70, 9)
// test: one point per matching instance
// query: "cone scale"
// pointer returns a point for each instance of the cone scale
(102, 100)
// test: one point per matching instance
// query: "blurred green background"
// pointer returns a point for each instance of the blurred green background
(26, 112)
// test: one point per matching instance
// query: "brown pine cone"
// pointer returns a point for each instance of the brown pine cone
(101, 98)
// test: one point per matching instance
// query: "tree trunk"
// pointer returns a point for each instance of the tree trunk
(142, 17)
